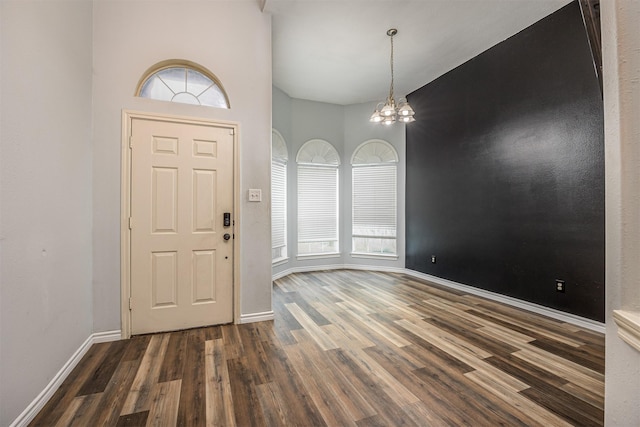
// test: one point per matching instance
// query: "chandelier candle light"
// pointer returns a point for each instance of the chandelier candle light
(390, 111)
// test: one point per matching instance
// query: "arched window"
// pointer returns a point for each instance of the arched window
(279, 159)
(374, 220)
(318, 163)
(184, 82)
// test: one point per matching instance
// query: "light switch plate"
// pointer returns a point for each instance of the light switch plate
(255, 195)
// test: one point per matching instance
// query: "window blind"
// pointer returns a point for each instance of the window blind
(317, 204)
(278, 204)
(374, 200)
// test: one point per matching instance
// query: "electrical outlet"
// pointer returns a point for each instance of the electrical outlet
(255, 195)
(559, 285)
(433, 259)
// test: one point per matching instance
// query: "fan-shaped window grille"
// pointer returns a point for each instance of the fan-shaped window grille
(318, 163)
(374, 151)
(319, 152)
(184, 82)
(279, 158)
(374, 186)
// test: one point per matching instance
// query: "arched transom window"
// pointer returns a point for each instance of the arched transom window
(279, 159)
(184, 82)
(374, 217)
(318, 163)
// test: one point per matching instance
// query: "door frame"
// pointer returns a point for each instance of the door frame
(125, 208)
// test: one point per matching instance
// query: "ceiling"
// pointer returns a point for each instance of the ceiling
(337, 51)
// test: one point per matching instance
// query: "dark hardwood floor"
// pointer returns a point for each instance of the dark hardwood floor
(347, 348)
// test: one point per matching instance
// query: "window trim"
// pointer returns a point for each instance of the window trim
(279, 261)
(390, 159)
(279, 155)
(319, 255)
(374, 255)
(180, 63)
(319, 154)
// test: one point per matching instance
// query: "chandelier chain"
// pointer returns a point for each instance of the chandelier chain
(391, 86)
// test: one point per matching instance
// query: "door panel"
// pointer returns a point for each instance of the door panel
(164, 279)
(181, 185)
(164, 200)
(204, 272)
(204, 207)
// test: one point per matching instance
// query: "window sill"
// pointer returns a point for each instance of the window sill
(279, 261)
(373, 256)
(628, 327)
(319, 256)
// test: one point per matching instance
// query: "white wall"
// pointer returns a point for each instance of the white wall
(281, 117)
(68, 69)
(311, 120)
(621, 71)
(233, 40)
(345, 127)
(45, 138)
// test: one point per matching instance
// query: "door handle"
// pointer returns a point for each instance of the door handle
(226, 236)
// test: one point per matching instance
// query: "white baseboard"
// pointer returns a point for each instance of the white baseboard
(381, 268)
(257, 317)
(309, 269)
(582, 322)
(106, 336)
(293, 270)
(38, 403)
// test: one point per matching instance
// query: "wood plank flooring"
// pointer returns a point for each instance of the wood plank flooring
(347, 348)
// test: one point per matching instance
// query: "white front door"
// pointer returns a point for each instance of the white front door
(181, 248)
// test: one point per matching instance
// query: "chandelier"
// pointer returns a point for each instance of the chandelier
(389, 111)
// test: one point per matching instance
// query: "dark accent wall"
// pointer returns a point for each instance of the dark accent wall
(505, 170)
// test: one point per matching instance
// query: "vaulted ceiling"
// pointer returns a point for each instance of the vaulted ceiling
(337, 51)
